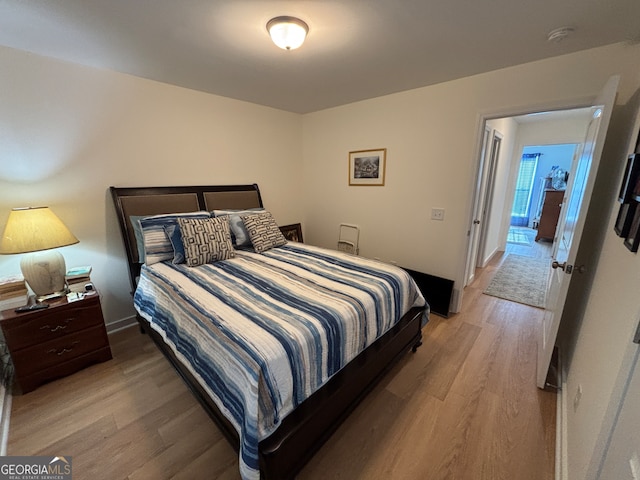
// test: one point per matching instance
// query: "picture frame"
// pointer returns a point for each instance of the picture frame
(630, 186)
(632, 239)
(293, 232)
(624, 219)
(635, 194)
(367, 167)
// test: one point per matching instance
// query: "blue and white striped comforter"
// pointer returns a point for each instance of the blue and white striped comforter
(262, 332)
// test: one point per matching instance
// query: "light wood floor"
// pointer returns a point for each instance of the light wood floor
(465, 406)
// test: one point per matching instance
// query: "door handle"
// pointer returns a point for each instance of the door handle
(561, 266)
(568, 269)
(476, 222)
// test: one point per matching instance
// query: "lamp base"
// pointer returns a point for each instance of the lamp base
(45, 273)
(51, 296)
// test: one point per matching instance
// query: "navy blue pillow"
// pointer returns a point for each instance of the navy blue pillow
(175, 237)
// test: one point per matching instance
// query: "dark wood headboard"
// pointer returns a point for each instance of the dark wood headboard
(141, 201)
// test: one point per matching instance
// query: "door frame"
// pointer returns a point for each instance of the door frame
(495, 137)
(475, 227)
(482, 120)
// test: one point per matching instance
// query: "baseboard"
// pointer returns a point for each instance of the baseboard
(489, 257)
(561, 467)
(121, 324)
(5, 416)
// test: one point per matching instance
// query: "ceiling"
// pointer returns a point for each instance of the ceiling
(355, 50)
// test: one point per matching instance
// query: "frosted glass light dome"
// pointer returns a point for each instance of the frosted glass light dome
(287, 33)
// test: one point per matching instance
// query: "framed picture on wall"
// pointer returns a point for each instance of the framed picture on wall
(630, 179)
(625, 217)
(292, 232)
(367, 167)
(635, 195)
(633, 237)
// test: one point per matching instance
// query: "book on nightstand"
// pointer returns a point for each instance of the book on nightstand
(78, 277)
(13, 292)
(78, 272)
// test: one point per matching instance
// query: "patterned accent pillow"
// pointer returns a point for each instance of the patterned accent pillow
(206, 240)
(263, 231)
(239, 234)
(157, 244)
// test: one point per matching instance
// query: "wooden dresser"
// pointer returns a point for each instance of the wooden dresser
(551, 206)
(56, 341)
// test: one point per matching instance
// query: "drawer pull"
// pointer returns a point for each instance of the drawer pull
(63, 350)
(57, 327)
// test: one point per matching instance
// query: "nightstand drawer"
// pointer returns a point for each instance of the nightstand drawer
(23, 331)
(54, 352)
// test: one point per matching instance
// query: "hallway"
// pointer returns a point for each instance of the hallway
(516, 245)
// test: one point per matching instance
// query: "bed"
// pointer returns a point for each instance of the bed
(293, 298)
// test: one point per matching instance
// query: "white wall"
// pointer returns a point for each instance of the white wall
(433, 137)
(68, 132)
(607, 328)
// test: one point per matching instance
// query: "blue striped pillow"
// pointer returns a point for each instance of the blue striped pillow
(157, 244)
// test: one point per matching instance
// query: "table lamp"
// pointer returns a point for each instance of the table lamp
(37, 231)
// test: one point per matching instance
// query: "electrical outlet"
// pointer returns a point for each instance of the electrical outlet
(577, 398)
(437, 214)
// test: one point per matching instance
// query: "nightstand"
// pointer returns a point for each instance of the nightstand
(55, 342)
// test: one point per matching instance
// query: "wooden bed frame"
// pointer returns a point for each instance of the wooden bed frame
(304, 430)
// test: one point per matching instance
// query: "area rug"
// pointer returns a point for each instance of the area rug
(521, 279)
(519, 236)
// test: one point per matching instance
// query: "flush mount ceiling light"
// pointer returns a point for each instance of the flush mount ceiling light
(287, 33)
(559, 34)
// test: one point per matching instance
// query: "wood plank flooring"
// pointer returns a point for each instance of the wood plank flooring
(464, 406)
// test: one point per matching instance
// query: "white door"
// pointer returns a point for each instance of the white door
(571, 224)
(474, 229)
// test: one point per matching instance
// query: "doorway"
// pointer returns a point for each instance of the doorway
(571, 219)
(555, 136)
(542, 177)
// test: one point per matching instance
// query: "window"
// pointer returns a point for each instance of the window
(524, 186)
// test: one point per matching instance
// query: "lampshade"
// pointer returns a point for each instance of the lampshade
(287, 33)
(38, 230)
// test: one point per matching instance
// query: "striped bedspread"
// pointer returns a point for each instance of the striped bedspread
(262, 332)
